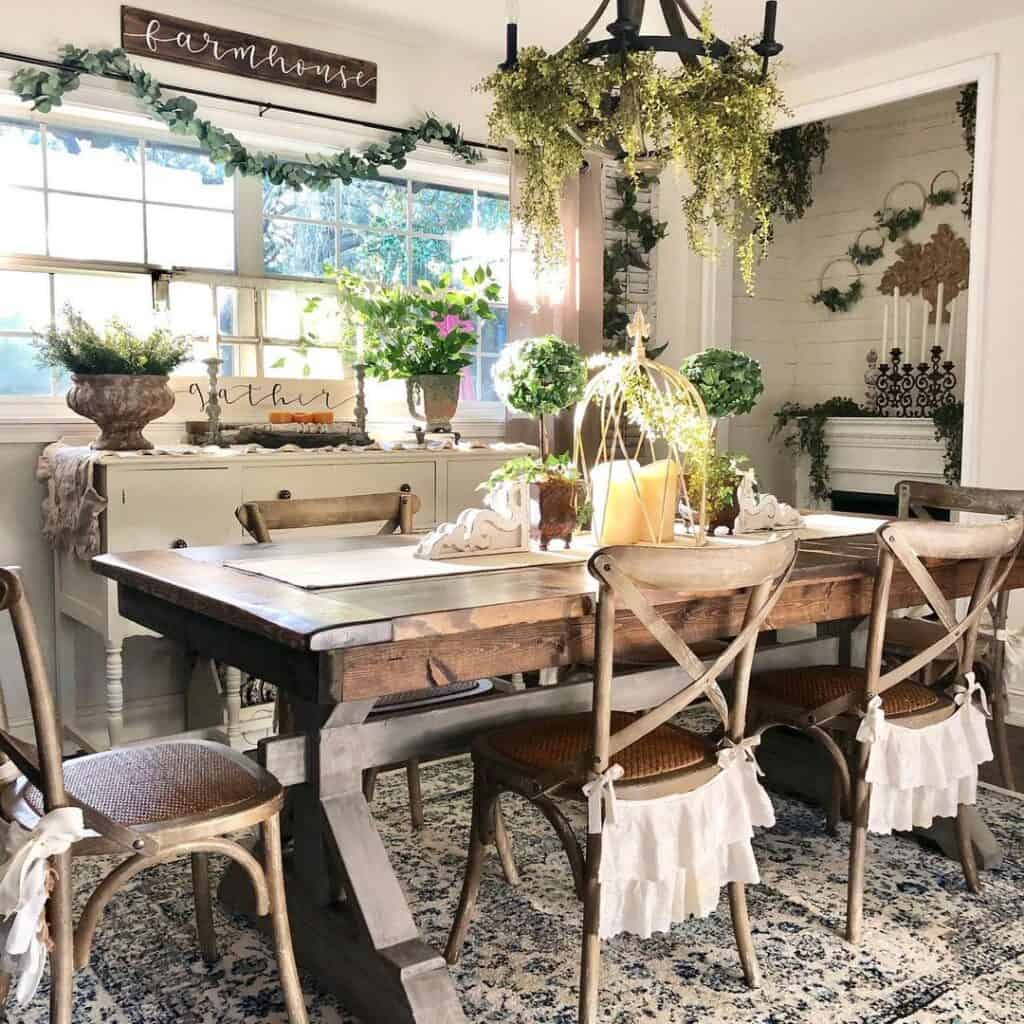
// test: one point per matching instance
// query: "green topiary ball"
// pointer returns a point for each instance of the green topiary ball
(540, 376)
(729, 383)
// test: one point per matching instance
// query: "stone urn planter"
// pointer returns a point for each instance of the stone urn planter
(553, 511)
(120, 405)
(440, 396)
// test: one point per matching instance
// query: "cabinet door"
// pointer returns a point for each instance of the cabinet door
(162, 506)
(463, 478)
(331, 480)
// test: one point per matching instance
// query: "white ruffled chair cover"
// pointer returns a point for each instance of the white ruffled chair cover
(918, 775)
(666, 859)
(24, 891)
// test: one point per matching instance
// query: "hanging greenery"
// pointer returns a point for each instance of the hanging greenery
(643, 233)
(791, 158)
(808, 435)
(712, 118)
(45, 90)
(949, 429)
(967, 108)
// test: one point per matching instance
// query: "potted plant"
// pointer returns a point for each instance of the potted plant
(722, 473)
(118, 380)
(554, 484)
(729, 383)
(422, 335)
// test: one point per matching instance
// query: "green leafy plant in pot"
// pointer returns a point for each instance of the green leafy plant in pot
(554, 485)
(422, 335)
(118, 379)
(540, 377)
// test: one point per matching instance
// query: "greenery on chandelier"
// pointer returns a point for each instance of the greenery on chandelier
(426, 330)
(79, 348)
(793, 152)
(45, 89)
(897, 222)
(839, 301)
(967, 108)
(643, 233)
(949, 429)
(729, 383)
(712, 118)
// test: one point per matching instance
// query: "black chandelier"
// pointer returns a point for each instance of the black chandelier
(624, 33)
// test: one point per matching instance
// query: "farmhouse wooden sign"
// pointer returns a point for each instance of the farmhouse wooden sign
(240, 53)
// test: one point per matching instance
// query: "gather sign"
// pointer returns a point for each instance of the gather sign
(240, 53)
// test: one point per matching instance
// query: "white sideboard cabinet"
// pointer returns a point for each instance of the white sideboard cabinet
(169, 501)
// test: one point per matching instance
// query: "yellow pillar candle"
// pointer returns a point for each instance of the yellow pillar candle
(633, 503)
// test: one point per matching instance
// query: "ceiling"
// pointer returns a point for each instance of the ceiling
(817, 33)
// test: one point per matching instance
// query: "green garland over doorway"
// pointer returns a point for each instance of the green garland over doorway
(45, 89)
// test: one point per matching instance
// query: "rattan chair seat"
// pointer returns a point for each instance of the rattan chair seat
(908, 636)
(162, 782)
(815, 686)
(541, 746)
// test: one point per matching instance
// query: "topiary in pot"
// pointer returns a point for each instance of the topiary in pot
(119, 380)
(729, 383)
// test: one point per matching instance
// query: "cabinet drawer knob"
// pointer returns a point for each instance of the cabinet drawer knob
(284, 495)
(179, 542)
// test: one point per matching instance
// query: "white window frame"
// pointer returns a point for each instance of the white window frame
(103, 106)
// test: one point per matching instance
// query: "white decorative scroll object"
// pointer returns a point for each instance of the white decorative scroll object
(666, 859)
(503, 526)
(24, 892)
(918, 775)
(762, 511)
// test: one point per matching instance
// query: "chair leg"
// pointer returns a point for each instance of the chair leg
(1002, 744)
(858, 846)
(590, 957)
(412, 776)
(272, 866)
(503, 841)
(744, 938)
(471, 879)
(62, 936)
(966, 850)
(204, 906)
(369, 784)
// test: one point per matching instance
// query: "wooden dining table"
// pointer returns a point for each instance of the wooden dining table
(336, 650)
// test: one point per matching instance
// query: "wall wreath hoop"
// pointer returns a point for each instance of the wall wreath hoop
(834, 299)
(944, 196)
(865, 255)
(897, 221)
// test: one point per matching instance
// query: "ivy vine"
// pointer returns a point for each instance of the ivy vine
(45, 89)
(806, 424)
(949, 429)
(967, 108)
(643, 233)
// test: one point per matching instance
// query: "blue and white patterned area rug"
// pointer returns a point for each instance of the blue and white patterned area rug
(931, 952)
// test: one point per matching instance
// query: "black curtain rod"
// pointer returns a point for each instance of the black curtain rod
(263, 106)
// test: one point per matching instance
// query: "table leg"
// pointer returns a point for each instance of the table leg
(233, 707)
(351, 924)
(115, 695)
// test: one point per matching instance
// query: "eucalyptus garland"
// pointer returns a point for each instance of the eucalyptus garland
(45, 89)
(839, 301)
(643, 233)
(967, 108)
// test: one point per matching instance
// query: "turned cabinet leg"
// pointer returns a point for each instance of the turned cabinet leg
(115, 695)
(233, 707)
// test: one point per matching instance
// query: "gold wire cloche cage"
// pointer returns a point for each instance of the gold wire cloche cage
(649, 460)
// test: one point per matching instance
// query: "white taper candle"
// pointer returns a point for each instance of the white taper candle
(924, 329)
(885, 331)
(896, 317)
(938, 316)
(906, 340)
(952, 320)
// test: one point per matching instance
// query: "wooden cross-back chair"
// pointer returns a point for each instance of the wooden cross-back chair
(261, 518)
(906, 637)
(823, 699)
(543, 760)
(151, 803)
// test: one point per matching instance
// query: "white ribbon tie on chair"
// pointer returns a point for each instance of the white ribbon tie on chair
(24, 891)
(666, 859)
(918, 775)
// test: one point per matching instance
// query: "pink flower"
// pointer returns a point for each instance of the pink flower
(453, 323)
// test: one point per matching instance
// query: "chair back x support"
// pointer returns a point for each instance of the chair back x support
(624, 573)
(908, 543)
(396, 508)
(42, 764)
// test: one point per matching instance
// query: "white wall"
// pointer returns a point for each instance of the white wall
(808, 353)
(413, 79)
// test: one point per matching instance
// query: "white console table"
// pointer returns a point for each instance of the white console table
(177, 500)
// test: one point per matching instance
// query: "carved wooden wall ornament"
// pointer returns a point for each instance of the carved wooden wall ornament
(945, 260)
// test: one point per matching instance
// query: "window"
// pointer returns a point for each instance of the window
(95, 196)
(395, 231)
